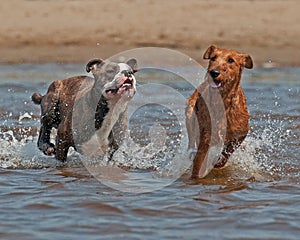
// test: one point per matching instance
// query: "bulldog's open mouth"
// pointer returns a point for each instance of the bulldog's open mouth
(215, 83)
(127, 85)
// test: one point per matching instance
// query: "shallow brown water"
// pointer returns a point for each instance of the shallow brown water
(257, 196)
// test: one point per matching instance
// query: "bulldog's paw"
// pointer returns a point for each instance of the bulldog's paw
(48, 149)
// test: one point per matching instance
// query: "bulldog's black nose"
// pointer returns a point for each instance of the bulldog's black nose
(126, 73)
(214, 73)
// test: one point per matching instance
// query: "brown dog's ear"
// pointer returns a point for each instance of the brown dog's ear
(248, 63)
(133, 64)
(92, 65)
(209, 52)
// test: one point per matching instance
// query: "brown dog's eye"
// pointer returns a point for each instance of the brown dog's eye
(213, 58)
(230, 60)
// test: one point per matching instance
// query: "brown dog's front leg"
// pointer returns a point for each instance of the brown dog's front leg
(227, 151)
(192, 123)
(199, 163)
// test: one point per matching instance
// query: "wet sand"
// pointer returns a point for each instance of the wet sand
(76, 31)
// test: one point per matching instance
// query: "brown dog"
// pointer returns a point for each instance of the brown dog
(220, 92)
(100, 103)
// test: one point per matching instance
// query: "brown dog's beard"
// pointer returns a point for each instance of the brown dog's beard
(213, 83)
(224, 86)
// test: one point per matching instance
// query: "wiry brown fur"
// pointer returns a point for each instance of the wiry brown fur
(223, 77)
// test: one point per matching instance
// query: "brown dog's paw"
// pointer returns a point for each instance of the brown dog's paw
(221, 163)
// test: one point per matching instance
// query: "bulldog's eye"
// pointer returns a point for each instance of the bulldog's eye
(230, 60)
(213, 58)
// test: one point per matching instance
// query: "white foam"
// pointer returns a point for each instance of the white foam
(253, 157)
(25, 115)
(25, 154)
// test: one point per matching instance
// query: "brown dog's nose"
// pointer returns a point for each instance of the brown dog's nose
(214, 73)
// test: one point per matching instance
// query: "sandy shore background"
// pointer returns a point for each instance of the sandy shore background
(76, 31)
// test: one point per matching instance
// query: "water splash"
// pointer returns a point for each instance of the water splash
(264, 153)
(23, 153)
(165, 161)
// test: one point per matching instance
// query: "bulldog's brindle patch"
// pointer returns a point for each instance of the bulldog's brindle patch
(111, 88)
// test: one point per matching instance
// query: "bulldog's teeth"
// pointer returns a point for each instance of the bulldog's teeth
(110, 91)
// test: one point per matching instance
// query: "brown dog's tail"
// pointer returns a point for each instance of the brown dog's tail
(37, 98)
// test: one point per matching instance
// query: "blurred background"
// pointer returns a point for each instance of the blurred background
(74, 31)
(256, 196)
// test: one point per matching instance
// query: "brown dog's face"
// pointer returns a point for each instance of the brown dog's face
(225, 67)
(115, 79)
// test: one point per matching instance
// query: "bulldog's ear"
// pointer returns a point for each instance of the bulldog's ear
(133, 64)
(93, 64)
(248, 63)
(209, 52)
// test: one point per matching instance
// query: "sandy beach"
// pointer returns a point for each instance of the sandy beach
(76, 31)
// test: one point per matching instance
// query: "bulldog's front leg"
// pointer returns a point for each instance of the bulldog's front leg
(44, 143)
(63, 140)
